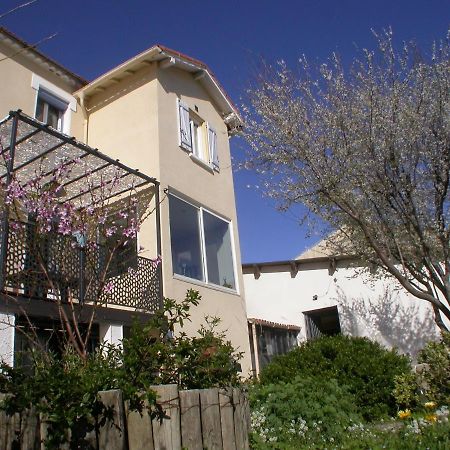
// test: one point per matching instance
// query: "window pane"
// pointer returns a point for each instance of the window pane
(218, 251)
(40, 109)
(185, 239)
(53, 116)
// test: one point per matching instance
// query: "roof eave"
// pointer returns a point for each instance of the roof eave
(158, 53)
(30, 51)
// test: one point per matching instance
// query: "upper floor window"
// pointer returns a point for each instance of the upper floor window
(54, 105)
(50, 110)
(197, 136)
(201, 244)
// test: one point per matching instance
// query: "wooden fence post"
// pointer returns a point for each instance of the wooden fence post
(241, 419)
(112, 435)
(139, 426)
(227, 419)
(210, 410)
(191, 422)
(9, 429)
(30, 437)
(166, 432)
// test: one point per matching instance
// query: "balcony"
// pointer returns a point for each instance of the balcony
(41, 260)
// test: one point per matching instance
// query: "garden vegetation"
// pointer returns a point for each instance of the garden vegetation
(64, 388)
(350, 393)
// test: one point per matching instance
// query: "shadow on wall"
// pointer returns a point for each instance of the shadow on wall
(388, 320)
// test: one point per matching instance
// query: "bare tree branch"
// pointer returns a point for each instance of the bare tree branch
(368, 151)
(23, 5)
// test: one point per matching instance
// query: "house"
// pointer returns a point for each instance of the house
(165, 114)
(318, 293)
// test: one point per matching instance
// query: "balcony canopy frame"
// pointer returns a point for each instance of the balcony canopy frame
(28, 146)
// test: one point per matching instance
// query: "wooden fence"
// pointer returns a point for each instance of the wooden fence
(197, 419)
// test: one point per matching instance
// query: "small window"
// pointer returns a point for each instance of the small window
(201, 244)
(197, 136)
(199, 144)
(50, 110)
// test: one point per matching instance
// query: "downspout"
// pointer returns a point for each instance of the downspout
(255, 349)
(85, 120)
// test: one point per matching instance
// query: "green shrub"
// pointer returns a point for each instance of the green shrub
(406, 391)
(65, 388)
(437, 372)
(300, 410)
(367, 368)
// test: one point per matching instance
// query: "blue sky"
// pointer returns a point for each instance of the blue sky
(231, 37)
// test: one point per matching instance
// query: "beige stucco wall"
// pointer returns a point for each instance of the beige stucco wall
(378, 309)
(122, 122)
(136, 120)
(212, 190)
(17, 74)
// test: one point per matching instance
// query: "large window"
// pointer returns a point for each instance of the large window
(201, 244)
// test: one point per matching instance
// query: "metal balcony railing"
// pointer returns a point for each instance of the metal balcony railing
(55, 267)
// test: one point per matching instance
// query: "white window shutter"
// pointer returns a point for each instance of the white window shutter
(184, 127)
(212, 144)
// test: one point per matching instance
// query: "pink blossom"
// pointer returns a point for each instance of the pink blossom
(13, 225)
(130, 232)
(64, 227)
(108, 288)
(156, 262)
(110, 231)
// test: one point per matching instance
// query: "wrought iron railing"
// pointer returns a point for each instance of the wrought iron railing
(54, 267)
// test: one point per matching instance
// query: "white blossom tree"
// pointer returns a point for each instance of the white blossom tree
(368, 151)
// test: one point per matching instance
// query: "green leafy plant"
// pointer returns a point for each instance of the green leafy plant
(65, 388)
(154, 354)
(406, 391)
(65, 391)
(435, 378)
(300, 410)
(367, 368)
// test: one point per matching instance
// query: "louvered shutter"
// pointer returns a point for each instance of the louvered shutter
(185, 138)
(212, 144)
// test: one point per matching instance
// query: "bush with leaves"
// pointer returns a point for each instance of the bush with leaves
(367, 368)
(436, 356)
(65, 388)
(154, 354)
(406, 391)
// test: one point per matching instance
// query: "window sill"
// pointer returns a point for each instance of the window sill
(201, 163)
(216, 287)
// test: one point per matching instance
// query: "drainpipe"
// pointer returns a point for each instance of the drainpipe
(86, 119)
(255, 348)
